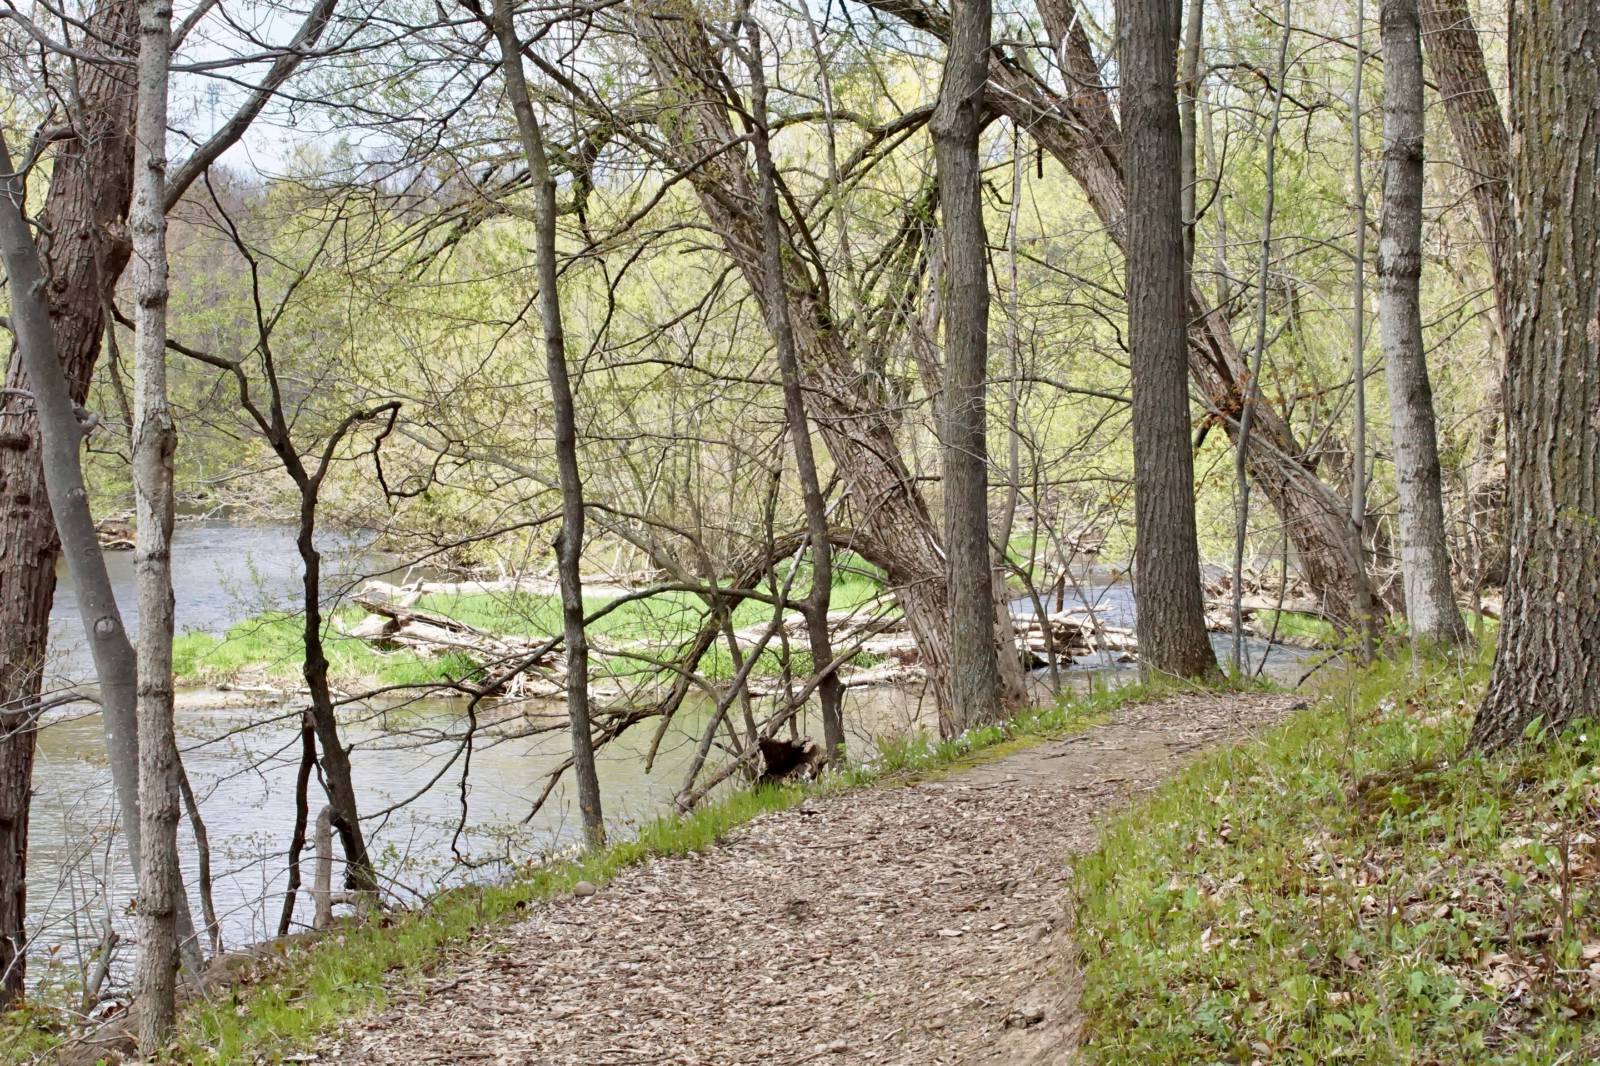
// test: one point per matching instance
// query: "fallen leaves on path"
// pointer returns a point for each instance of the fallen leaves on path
(906, 925)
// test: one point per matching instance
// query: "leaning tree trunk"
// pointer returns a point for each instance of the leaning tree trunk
(857, 427)
(1473, 111)
(569, 543)
(975, 690)
(830, 690)
(1424, 553)
(154, 446)
(1171, 618)
(90, 185)
(1547, 666)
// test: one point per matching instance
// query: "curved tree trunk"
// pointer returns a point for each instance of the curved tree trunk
(858, 429)
(975, 689)
(87, 202)
(1424, 552)
(1080, 130)
(830, 690)
(1171, 617)
(1547, 665)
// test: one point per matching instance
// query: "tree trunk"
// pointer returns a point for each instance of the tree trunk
(1547, 666)
(975, 691)
(1424, 554)
(87, 201)
(1078, 128)
(1473, 111)
(569, 543)
(830, 691)
(359, 874)
(1366, 620)
(1171, 618)
(154, 447)
(856, 425)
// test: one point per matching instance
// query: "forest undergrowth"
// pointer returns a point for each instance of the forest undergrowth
(1356, 886)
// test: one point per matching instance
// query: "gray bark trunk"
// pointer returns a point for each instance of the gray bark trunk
(830, 691)
(569, 543)
(1424, 554)
(1547, 665)
(1171, 618)
(857, 427)
(1079, 129)
(154, 446)
(975, 688)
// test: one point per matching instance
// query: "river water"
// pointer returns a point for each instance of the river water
(242, 761)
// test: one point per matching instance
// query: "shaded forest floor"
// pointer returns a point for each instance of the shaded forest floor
(914, 924)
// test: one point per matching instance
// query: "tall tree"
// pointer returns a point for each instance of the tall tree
(1424, 553)
(975, 687)
(91, 183)
(569, 543)
(1079, 128)
(830, 690)
(1547, 665)
(1171, 620)
(155, 440)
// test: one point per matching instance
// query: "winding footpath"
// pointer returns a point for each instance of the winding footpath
(915, 924)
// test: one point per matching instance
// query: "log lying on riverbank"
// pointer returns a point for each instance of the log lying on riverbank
(511, 666)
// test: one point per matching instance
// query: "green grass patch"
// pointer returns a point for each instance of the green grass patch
(1353, 887)
(304, 992)
(270, 648)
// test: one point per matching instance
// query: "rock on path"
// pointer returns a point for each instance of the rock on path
(908, 925)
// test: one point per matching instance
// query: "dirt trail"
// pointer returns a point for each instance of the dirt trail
(907, 925)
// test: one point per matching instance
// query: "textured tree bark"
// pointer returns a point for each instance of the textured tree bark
(1171, 619)
(569, 543)
(1473, 111)
(975, 690)
(1424, 552)
(1078, 128)
(1547, 665)
(88, 199)
(830, 691)
(856, 426)
(84, 253)
(155, 440)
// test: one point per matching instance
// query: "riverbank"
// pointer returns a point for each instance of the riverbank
(287, 999)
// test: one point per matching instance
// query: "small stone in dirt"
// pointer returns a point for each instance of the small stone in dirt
(584, 889)
(1024, 1016)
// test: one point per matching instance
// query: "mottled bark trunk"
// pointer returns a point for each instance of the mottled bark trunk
(1171, 618)
(1424, 553)
(154, 446)
(1547, 665)
(830, 691)
(975, 692)
(569, 543)
(857, 427)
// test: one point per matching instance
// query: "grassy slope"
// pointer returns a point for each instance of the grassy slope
(1353, 888)
(269, 647)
